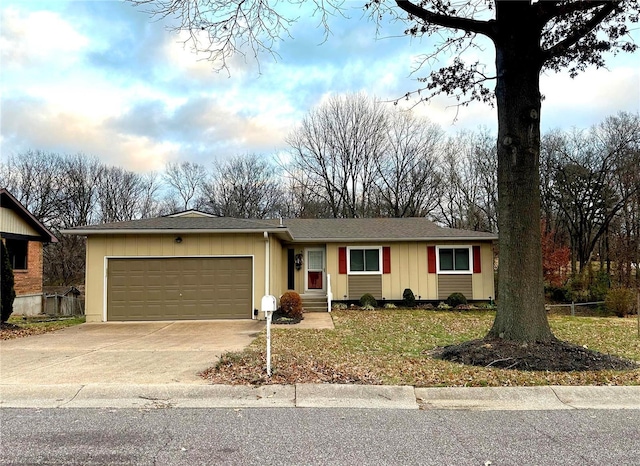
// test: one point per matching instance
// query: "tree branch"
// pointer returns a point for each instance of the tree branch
(580, 31)
(453, 22)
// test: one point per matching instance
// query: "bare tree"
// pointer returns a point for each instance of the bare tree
(469, 187)
(244, 186)
(35, 178)
(407, 178)
(124, 195)
(590, 181)
(185, 180)
(335, 151)
(528, 37)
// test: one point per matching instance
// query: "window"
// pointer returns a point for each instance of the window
(364, 260)
(17, 250)
(454, 260)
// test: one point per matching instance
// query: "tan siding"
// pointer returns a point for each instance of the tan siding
(338, 280)
(483, 283)
(11, 222)
(361, 284)
(277, 266)
(448, 284)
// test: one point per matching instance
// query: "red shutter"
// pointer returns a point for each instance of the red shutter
(476, 260)
(386, 259)
(342, 260)
(431, 259)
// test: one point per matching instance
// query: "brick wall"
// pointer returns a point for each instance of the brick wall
(30, 281)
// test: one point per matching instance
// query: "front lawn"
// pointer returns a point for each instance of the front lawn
(17, 326)
(394, 346)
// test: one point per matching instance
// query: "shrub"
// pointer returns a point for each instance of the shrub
(291, 305)
(7, 292)
(368, 307)
(408, 298)
(368, 298)
(390, 306)
(443, 307)
(455, 299)
(339, 306)
(620, 301)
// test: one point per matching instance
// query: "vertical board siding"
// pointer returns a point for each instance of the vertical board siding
(11, 222)
(361, 284)
(448, 284)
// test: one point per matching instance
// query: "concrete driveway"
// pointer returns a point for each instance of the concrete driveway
(117, 352)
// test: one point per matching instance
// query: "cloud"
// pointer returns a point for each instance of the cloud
(31, 123)
(38, 38)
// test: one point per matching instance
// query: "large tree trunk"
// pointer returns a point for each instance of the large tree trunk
(521, 314)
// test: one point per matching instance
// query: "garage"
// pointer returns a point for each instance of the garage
(179, 288)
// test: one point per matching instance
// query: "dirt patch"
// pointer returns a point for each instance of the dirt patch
(555, 355)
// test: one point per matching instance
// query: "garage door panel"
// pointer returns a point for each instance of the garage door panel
(179, 288)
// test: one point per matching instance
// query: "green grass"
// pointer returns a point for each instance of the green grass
(393, 346)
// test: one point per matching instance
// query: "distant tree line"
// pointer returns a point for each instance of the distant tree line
(355, 157)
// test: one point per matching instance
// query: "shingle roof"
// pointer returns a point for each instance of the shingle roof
(180, 224)
(340, 229)
(297, 230)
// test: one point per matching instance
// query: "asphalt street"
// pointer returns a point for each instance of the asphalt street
(283, 436)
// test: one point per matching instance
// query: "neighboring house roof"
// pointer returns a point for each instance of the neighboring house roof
(294, 230)
(190, 213)
(7, 201)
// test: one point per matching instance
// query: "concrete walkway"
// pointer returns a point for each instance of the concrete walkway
(316, 396)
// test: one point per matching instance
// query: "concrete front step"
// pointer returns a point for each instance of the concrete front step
(314, 304)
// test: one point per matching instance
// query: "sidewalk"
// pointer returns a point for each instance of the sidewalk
(153, 396)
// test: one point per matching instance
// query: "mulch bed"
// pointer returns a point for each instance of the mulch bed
(555, 355)
(282, 319)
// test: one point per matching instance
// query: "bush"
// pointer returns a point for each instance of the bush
(339, 306)
(368, 307)
(455, 299)
(291, 305)
(390, 306)
(7, 292)
(408, 298)
(620, 301)
(368, 298)
(443, 307)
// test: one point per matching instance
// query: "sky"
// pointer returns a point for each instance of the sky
(104, 79)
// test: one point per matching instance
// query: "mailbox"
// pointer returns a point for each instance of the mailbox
(269, 304)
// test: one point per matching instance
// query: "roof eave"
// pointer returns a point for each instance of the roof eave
(169, 231)
(394, 240)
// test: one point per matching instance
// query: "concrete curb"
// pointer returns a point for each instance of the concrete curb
(155, 396)
(355, 396)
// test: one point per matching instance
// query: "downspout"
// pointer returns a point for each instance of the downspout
(266, 263)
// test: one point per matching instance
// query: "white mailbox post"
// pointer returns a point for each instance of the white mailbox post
(268, 307)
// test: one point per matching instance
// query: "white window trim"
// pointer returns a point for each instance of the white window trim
(454, 272)
(380, 264)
